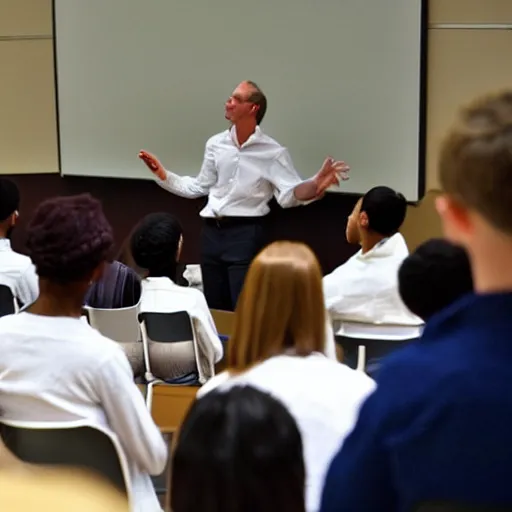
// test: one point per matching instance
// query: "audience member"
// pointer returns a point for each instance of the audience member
(156, 245)
(16, 270)
(118, 287)
(54, 367)
(435, 275)
(239, 451)
(277, 344)
(437, 429)
(362, 294)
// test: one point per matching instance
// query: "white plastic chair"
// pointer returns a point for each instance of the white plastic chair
(120, 325)
(69, 443)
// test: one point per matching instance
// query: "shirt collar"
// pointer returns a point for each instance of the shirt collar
(5, 244)
(251, 140)
(491, 310)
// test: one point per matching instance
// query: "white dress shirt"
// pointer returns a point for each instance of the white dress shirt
(239, 180)
(362, 295)
(61, 369)
(161, 295)
(322, 395)
(18, 273)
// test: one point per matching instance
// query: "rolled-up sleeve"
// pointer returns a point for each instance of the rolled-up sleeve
(284, 178)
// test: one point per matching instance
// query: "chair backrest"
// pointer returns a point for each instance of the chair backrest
(459, 507)
(168, 327)
(117, 324)
(8, 304)
(75, 444)
(373, 349)
(169, 344)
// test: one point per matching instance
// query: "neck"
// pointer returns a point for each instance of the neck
(244, 129)
(58, 300)
(491, 266)
(370, 240)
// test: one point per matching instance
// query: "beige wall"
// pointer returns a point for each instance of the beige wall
(463, 62)
(28, 128)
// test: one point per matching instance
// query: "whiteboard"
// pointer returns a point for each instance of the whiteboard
(342, 78)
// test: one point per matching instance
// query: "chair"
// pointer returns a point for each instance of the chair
(121, 325)
(8, 303)
(359, 351)
(69, 443)
(442, 506)
(224, 322)
(175, 330)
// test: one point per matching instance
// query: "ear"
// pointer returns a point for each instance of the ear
(457, 223)
(364, 222)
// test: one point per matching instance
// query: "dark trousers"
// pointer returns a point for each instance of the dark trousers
(228, 246)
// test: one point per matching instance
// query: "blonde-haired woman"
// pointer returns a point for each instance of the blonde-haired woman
(278, 344)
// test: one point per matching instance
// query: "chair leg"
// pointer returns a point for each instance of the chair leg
(361, 358)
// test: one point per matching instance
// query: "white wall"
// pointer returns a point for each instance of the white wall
(341, 76)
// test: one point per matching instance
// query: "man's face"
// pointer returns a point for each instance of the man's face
(237, 106)
(352, 232)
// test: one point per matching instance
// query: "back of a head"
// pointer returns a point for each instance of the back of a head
(68, 238)
(475, 165)
(386, 210)
(155, 243)
(9, 198)
(238, 450)
(434, 276)
(281, 306)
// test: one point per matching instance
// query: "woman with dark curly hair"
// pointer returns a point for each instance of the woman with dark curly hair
(54, 366)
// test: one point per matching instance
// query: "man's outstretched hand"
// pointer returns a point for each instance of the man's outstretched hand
(153, 164)
(331, 173)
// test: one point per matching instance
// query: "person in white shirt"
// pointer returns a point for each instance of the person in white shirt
(277, 345)
(242, 170)
(54, 366)
(156, 246)
(16, 270)
(362, 295)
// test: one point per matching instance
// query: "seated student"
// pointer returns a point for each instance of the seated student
(16, 270)
(156, 245)
(435, 275)
(238, 450)
(118, 287)
(54, 367)
(362, 294)
(277, 345)
(437, 430)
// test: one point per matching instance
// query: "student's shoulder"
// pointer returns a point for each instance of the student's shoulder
(217, 138)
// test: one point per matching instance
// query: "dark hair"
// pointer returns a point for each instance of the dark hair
(259, 99)
(9, 198)
(475, 165)
(68, 237)
(154, 244)
(238, 450)
(386, 210)
(434, 276)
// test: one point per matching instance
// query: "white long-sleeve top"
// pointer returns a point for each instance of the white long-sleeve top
(61, 369)
(239, 180)
(322, 395)
(18, 273)
(363, 293)
(161, 295)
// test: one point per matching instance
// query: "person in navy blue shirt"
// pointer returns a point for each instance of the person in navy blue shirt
(438, 428)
